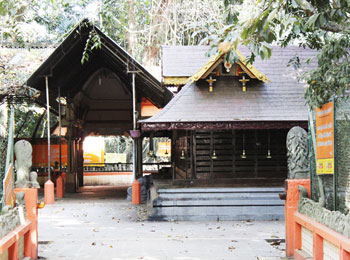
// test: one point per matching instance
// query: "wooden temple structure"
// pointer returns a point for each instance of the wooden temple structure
(229, 122)
(104, 95)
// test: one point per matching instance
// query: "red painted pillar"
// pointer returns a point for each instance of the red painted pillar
(49, 192)
(31, 200)
(63, 174)
(291, 205)
(136, 192)
(317, 247)
(13, 251)
(59, 187)
(344, 255)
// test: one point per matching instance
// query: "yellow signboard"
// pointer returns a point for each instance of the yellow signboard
(9, 195)
(325, 139)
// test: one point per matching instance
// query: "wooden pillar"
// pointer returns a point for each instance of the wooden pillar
(173, 154)
(80, 162)
(211, 149)
(139, 157)
(256, 172)
(194, 154)
(233, 153)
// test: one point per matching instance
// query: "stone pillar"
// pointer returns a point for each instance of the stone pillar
(31, 200)
(291, 205)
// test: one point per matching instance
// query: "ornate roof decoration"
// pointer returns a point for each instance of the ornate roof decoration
(218, 58)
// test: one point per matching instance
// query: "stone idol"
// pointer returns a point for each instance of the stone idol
(23, 164)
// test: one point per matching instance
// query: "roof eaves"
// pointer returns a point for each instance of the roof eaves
(252, 71)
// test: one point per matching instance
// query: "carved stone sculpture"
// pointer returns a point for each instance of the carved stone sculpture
(21, 205)
(25, 178)
(298, 153)
(333, 219)
(23, 164)
(33, 176)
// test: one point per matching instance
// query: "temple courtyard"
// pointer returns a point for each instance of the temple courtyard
(98, 223)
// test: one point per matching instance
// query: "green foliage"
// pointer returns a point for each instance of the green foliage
(93, 42)
(332, 76)
(322, 25)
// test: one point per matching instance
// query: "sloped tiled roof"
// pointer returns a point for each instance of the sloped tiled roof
(281, 100)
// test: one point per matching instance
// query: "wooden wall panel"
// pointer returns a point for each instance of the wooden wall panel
(228, 146)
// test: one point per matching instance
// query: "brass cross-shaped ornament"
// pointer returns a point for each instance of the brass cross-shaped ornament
(211, 81)
(244, 81)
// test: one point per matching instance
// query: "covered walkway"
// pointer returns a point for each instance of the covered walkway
(98, 223)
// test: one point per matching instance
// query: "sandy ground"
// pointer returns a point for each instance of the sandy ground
(98, 223)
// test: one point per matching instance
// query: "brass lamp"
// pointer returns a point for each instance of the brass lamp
(268, 156)
(211, 81)
(243, 155)
(182, 156)
(244, 81)
(213, 156)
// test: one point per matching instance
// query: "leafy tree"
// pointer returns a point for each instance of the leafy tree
(322, 25)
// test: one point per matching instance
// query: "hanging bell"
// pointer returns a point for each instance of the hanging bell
(182, 156)
(268, 156)
(213, 156)
(243, 156)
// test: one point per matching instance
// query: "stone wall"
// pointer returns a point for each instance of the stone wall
(9, 221)
(343, 162)
(333, 219)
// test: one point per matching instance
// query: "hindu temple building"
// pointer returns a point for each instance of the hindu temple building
(229, 123)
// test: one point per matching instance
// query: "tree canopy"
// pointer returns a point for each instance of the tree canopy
(316, 24)
(141, 27)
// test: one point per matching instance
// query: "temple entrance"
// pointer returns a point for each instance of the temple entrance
(96, 99)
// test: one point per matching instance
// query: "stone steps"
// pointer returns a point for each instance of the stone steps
(253, 203)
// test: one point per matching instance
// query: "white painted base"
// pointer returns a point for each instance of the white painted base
(108, 180)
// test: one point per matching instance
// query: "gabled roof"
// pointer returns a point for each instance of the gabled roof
(281, 100)
(213, 62)
(65, 70)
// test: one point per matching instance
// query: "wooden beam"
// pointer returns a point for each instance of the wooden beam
(212, 126)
